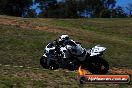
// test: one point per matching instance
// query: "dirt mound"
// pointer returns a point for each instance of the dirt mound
(29, 25)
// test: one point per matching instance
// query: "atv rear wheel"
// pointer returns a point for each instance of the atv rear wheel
(98, 65)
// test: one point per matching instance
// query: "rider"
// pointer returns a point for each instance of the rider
(64, 40)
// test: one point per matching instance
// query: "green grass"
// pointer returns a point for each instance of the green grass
(24, 46)
(21, 46)
(11, 77)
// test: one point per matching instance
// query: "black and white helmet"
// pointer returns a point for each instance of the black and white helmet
(64, 38)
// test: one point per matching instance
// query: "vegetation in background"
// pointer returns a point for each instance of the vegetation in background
(130, 9)
(63, 8)
(14, 7)
(75, 8)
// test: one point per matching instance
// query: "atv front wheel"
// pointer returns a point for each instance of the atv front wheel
(98, 65)
(53, 65)
(43, 62)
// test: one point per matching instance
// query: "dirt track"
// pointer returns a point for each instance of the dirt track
(38, 74)
(41, 76)
(120, 71)
(29, 25)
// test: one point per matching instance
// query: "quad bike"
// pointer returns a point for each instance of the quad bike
(72, 56)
